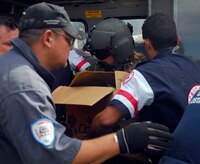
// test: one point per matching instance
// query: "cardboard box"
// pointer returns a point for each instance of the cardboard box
(88, 94)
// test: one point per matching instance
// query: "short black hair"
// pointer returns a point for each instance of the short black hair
(9, 22)
(160, 29)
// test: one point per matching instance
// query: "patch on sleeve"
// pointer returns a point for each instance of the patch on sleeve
(193, 91)
(43, 131)
(129, 77)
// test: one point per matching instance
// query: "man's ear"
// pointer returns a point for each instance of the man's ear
(147, 43)
(47, 38)
(178, 39)
(150, 49)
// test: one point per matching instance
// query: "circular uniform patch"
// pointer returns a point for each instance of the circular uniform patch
(193, 91)
(129, 77)
(43, 131)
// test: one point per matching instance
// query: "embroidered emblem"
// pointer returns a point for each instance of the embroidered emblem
(43, 131)
(193, 91)
(129, 77)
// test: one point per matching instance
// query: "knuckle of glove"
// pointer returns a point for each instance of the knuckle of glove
(157, 126)
(144, 137)
(161, 135)
(134, 138)
(159, 143)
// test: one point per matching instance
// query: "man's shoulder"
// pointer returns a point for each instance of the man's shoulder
(21, 77)
(148, 65)
(168, 60)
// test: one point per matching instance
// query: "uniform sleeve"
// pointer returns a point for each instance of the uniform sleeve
(28, 122)
(77, 62)
(135, 92)
(186, 146)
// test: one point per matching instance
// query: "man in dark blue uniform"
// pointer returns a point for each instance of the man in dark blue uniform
(155, 90)
(29, 133)
(186, 144)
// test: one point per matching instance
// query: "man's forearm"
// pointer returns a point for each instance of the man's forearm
(104, 120)
(97, 150)
(141, 137)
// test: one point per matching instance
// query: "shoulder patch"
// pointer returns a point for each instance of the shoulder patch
(192, 92)
(43, 131)
(129, 77)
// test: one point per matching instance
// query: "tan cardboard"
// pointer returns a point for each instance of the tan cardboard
(88, 94)
(84, 95)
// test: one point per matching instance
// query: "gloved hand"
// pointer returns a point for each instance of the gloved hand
(143, 137)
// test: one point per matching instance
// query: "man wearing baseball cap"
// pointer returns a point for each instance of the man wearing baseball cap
(28, 130)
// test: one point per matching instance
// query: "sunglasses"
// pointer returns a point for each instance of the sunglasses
(70, 40)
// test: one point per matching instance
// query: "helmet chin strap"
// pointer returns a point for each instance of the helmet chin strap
(123, 66)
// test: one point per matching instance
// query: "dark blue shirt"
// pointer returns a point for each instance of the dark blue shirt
(186, 145)
(171, 76)
(157, 90)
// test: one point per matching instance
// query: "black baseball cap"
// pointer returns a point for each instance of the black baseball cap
(46, 15)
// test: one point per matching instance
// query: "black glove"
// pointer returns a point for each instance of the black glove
(144, 137)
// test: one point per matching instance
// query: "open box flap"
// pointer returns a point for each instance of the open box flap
(99, 78)
(94, 78)
(86, 95)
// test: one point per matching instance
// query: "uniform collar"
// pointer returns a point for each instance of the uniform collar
(28, 54)
(168, 50)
